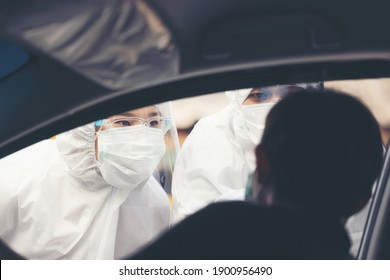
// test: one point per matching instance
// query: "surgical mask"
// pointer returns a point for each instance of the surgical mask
(248, 128)
(253, 120)
(127, 156)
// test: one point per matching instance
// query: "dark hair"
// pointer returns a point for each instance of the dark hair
(324, 151)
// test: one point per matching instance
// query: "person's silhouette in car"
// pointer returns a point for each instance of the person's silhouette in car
(316, 164)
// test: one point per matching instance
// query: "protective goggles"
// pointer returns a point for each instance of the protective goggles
(155, 122)
(272, 93)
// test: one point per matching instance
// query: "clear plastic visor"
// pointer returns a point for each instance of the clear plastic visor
(149, 116)
(273, 94)
(139, 124)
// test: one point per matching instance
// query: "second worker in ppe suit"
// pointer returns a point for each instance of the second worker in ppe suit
(92, 193)
(218, 155)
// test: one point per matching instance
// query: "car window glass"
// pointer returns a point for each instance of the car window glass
(66, 188)
(203, 160)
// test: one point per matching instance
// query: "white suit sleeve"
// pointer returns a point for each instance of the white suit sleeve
(209, 165)
(8, 206)
(15, 168)
(142, 217)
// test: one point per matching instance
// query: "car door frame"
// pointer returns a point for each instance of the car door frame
(375, 242)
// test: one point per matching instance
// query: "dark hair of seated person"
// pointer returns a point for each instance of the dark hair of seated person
(318, 159)
(319, 150)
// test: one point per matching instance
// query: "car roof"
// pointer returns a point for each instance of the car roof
(214, 45)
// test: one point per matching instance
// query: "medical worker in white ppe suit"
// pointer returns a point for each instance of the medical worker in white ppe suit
(218, 155)
(92, 193)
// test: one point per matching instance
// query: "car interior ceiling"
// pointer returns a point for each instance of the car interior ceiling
(228, 32)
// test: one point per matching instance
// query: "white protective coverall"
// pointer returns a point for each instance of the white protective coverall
(54, 203)
(217, 157)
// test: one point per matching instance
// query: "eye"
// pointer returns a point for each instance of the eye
(123, 123)
(262, 96)
(154, 123)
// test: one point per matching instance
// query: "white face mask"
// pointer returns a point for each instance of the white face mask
(253, 119)
(127, 156)
(249, 127)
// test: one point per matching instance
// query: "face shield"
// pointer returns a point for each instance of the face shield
(134, 145)
(266, 95)
(251, 107)
(273, 94)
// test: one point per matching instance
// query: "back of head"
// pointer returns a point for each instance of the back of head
(323, 151)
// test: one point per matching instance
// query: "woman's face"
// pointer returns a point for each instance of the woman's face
(148, 114)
